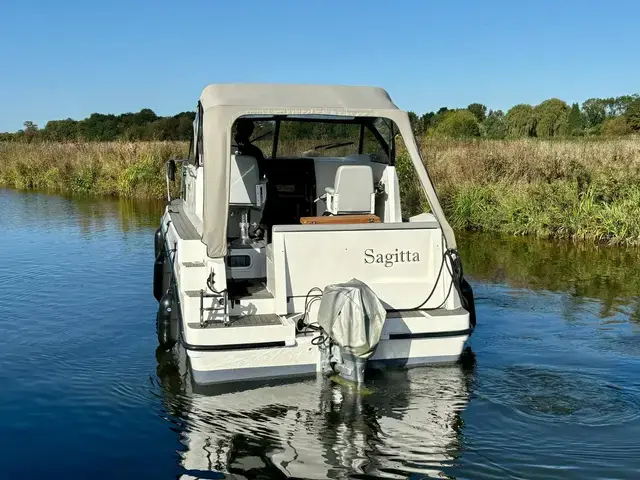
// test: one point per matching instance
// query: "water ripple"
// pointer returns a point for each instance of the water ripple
(552, 394)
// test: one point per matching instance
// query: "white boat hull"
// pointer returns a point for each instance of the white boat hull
(210, 367)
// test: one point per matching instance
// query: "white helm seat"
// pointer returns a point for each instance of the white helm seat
(352, 191)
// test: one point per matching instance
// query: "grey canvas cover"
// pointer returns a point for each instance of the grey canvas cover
(353, 316)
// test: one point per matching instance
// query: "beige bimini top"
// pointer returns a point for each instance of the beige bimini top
(222, 104)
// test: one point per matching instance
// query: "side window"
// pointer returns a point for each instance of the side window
(376, 140)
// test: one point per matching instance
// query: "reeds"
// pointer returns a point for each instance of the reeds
(126, 169)
(576, 189)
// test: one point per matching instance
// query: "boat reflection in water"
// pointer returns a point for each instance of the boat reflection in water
(405, 422)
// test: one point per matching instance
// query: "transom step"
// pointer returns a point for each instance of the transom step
(246, 321)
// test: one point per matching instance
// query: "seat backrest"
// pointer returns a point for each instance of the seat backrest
(354, 187)
(244, 177)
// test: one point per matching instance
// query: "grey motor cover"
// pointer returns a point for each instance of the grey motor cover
(353, 316)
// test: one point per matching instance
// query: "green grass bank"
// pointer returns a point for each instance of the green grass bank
(574, 189)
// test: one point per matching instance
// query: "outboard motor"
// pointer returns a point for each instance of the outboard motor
(351, 316)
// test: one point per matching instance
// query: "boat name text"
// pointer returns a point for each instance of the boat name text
(390, 258)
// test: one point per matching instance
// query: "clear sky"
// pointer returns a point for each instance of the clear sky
(71, 58)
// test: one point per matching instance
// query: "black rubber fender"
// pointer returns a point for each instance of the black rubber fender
(158, 242)
(167, 321)
(468, 301)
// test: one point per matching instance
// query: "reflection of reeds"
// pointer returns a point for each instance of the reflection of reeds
(584, 271)
(576, 189)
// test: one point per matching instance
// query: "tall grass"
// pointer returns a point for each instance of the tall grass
(576, 189)
(124, 169)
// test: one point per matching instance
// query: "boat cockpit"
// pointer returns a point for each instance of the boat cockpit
(305, 170)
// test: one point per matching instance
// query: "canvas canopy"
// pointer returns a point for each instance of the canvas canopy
(223, 104)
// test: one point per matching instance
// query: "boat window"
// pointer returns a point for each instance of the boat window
(262, 136)
(299, 138)
(377, 136)
(295, 136)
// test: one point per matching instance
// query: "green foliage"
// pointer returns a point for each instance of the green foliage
(616, 127)
(595, 112)
(30, 127)
(556, 210)
(632, 115)
(144, 125)
(479, 111)
(575, 121)
(457, 124)
(414, 120)
(618, 106)
(495, 125)
(521, 121)
(426, 121)
(551, 118)
(61, 130)
(412, 197)
(30, 131)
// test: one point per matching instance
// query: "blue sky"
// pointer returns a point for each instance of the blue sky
(71, 58)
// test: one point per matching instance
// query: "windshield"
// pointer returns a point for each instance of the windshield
(313, 136)
(317, 139)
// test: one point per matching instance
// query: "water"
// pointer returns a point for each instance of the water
(554, 391)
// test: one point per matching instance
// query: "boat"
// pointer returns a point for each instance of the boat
(286, 249)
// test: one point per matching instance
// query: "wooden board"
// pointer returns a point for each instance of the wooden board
(340, 219)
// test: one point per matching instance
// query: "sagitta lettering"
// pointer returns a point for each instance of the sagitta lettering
(391, 258)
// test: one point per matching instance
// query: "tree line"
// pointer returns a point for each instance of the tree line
(141, 126)
(614, 116)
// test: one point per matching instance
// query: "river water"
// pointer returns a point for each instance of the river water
(552, 389)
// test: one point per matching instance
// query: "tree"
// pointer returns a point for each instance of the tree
(575, 121)
(495, 126)
(479, 111)
(616, 127)
(61, 130)
(618, 105)
(426, 121)
(30, 130)
(415, 123)
(594, 111)
(458, 124)
(551, 118)
(100, 127)
(520, 121)
(632, 115)
(185, 125)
